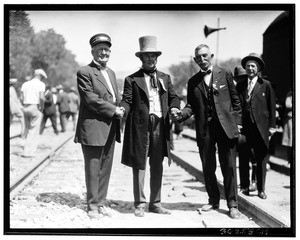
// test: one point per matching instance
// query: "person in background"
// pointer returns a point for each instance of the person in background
(148, 98)
(240, 75)
(49, 111)
(98, 125)
(63, 107)
(287, 135)
(73, 106)
(259, 121)
(15, 106)
(213, 100)
(32, 96)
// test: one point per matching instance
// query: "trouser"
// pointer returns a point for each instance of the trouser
(63, 121)
(227, 158)
(98, 164)
(74, 118)
(254, 141)
(53, 119)
(155, 147)
(32, 117)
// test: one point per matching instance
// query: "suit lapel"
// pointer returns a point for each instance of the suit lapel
(257, 87)
(113, 83)
(141, 82)
(200, 84)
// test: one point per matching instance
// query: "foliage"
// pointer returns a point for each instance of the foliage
(45, 49)
(20, 44)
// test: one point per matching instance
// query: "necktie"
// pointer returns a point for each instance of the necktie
(250, 83)
(206, 72)
(152, 77)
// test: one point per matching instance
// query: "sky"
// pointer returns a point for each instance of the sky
(177, 32)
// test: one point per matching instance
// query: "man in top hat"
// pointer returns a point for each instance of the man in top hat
(98, 125)
(213, 100)
(148, 98)
(258, 119)
(15, 106)
(32, 96)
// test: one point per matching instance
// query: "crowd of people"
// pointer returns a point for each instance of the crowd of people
(234, 114)
(38, 102)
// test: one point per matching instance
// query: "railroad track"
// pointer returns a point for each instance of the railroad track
(70, 204)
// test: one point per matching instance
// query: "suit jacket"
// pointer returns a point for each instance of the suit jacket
(227, 103)
(262, 104)
(97, 109)
(63, 102)
(49, 106)
(136, 103)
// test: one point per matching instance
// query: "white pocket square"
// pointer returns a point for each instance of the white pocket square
(221, 86)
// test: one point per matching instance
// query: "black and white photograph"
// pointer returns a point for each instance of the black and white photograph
(149, 120)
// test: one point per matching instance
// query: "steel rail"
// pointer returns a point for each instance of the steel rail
(27, 175)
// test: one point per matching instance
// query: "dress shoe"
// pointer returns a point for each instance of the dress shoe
(209, 207)
(262, 195)
(159, 210)
(104, 211)
(253, 187)
(234, 213)
(245, 191)
(139, 212)
(94, 214)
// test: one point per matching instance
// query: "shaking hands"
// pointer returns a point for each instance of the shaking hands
(176, 114)
(120, 111)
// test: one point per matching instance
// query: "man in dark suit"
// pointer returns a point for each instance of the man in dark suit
(259, 121)
(98, 125)
(214, 102)
(148, 97)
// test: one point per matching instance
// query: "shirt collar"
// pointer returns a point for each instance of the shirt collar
(254, 80)
(99, 65)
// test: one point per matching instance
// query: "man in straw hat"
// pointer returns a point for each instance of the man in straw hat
(148, 98)
(213, 100)
(32, 96)
(98, 125)
(259, 120)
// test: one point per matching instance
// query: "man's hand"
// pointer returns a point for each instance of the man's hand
(120, 111)
(176, 114)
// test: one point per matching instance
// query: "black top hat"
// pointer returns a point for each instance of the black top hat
(100, 38)
(147, 45)
(255, 57)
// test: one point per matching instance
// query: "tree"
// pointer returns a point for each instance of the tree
(20, 45)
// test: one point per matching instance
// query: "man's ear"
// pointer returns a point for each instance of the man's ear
(212, 55)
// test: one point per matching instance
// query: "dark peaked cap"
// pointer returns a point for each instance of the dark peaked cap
(100, 38)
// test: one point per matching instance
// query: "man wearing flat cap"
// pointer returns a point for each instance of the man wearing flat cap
(32, 96)
(148, 98)
(258, 120)
(98, 125)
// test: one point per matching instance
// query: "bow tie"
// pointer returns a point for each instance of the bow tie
(206, 72)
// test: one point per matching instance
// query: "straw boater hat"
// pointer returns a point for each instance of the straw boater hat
(147, 45)
(13, 80)
(40, 72)
(255, 57)
(100, 38)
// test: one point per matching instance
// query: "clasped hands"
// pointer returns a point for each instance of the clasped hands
(176, 114)
(120, 111)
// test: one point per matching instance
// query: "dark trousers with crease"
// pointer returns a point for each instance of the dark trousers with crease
(155, 151)
(227, 158)
(254, 142)
(98, 164)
